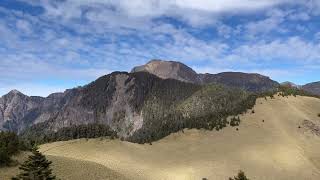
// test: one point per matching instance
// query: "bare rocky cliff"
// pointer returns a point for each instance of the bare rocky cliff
(18, 111)
(115, 100)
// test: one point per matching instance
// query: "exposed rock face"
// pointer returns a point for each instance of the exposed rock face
(313, 88)
(169, 70)
(179, 71)
(18, 111)
(14, 107)
(115, 100)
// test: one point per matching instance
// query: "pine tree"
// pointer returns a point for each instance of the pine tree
(37, 167)
(4, 157)
(241, 176)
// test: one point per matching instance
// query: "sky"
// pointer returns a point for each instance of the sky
(48, 46)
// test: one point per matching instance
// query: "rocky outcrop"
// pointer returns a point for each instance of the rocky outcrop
(169, 70)
(15, 108)
(176, 70)
(18, 111)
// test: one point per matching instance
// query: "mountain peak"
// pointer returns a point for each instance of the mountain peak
(14, 91)
(168, 70)
(179, 71)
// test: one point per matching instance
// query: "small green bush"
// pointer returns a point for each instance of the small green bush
(235, 121)
(10, 144)
(240, 176)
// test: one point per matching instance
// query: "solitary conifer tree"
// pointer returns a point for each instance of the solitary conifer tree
(37, 167)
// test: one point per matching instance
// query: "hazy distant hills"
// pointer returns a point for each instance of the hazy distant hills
(290, 84)
(151, 102)
(313, 88)
(179, 71)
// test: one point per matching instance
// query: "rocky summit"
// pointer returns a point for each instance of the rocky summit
(176, 70)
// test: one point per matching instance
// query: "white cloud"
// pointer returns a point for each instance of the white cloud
(292, 50)
(24, 26)
(194, 12)
(82, 39)
(303, 16)
(317, 36)
(271, 23)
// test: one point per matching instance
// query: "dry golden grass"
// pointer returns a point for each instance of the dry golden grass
(9, 172)
(275, 149)
(67, 168)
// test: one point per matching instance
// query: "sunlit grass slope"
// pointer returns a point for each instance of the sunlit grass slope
(269, 145)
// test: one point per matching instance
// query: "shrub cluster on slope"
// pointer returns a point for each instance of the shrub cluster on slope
(38, 135)
(10, 144)
(240, 176)
(294, 91)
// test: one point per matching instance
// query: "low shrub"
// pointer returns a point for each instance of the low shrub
(240, 176)
(235, 121)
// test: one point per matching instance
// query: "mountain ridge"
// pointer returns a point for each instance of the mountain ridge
(313, 87)
(139, 106)
(248, 81)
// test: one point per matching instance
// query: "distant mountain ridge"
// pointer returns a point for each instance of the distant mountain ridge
(290, 84)
(313, 88)
(176, 70)
(137, 106)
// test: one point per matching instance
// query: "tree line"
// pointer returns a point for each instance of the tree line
(10, 144)
(38, 135)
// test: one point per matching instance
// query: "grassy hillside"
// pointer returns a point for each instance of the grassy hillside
(67, 168)
(276, 142)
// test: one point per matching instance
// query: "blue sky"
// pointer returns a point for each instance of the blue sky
(51, 45)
